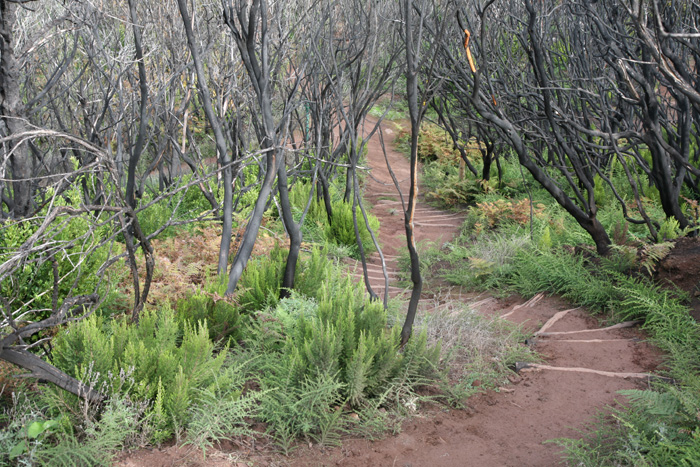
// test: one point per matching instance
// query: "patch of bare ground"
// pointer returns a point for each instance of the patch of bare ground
(681, 269)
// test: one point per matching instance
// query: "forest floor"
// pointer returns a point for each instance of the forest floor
(583, 366)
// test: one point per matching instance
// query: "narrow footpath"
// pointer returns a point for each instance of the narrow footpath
(583, 368)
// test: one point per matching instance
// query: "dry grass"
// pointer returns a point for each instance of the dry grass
(474, 346)
(187, 260)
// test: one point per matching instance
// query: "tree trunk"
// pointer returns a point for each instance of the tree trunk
(11, 115)
(221, 147)
(251, 231)
(293, 230)
(416, 114)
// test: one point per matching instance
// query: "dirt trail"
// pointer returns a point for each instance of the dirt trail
(431, 224)
(506, 428)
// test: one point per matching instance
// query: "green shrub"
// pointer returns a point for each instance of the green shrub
(261, 281)
(246, 186)
(299, 197)
(313, 355)
(75, 240)
(32, 436)
(220, 410)
(164, 362)
(342, 228)
(314, 269)
(222, 315)
(348, 338)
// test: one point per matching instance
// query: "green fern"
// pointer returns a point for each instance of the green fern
(220, 410)
(167, 362)
(660, 404)
(261, 281)
(652, 254)
(358, 368)
(342, 228)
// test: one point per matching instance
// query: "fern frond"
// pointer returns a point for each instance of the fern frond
(661, 404)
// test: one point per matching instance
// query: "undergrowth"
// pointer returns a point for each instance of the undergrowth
(315, 366)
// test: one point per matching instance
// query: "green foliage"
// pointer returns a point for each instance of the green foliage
(219, 410)
(350, 336)
(314, 269)
(261, 281)
(77, 258)
(166, 362)
(670, 230)
(299, 197)
(185, 204)
(318, 353)
(449, 185)
(342, 228)
(221, 315)
(446, 187)
(545, 242)
(31, 437)
(396, 110)
(434, 144)
(245, 184)
(601, 191)
(309, 409)
(483, 264)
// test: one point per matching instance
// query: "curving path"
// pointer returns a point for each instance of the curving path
(584, 366)
(431, 224)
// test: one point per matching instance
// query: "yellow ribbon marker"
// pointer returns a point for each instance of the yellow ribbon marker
(467, 35)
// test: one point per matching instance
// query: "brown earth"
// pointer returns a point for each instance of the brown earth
(583, 368)
(681, 269)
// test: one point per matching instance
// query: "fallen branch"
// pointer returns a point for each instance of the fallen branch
(554, 319)
(529, 304)
(522, 366)
(593, 341)
(43, 370)
(626, 324)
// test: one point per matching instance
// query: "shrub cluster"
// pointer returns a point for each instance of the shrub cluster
(303, 362)
(165, 359)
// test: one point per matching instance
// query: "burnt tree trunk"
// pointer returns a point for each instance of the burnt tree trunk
(20, 205)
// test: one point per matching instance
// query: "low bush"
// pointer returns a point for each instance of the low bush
(207, 305)
(261, 281)
(72, 247)
(447, 186)
(342, 228)
(314, 355)
(161, 362)
(185, 204)
(434, 144)
(31, 436)
(474, 348)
